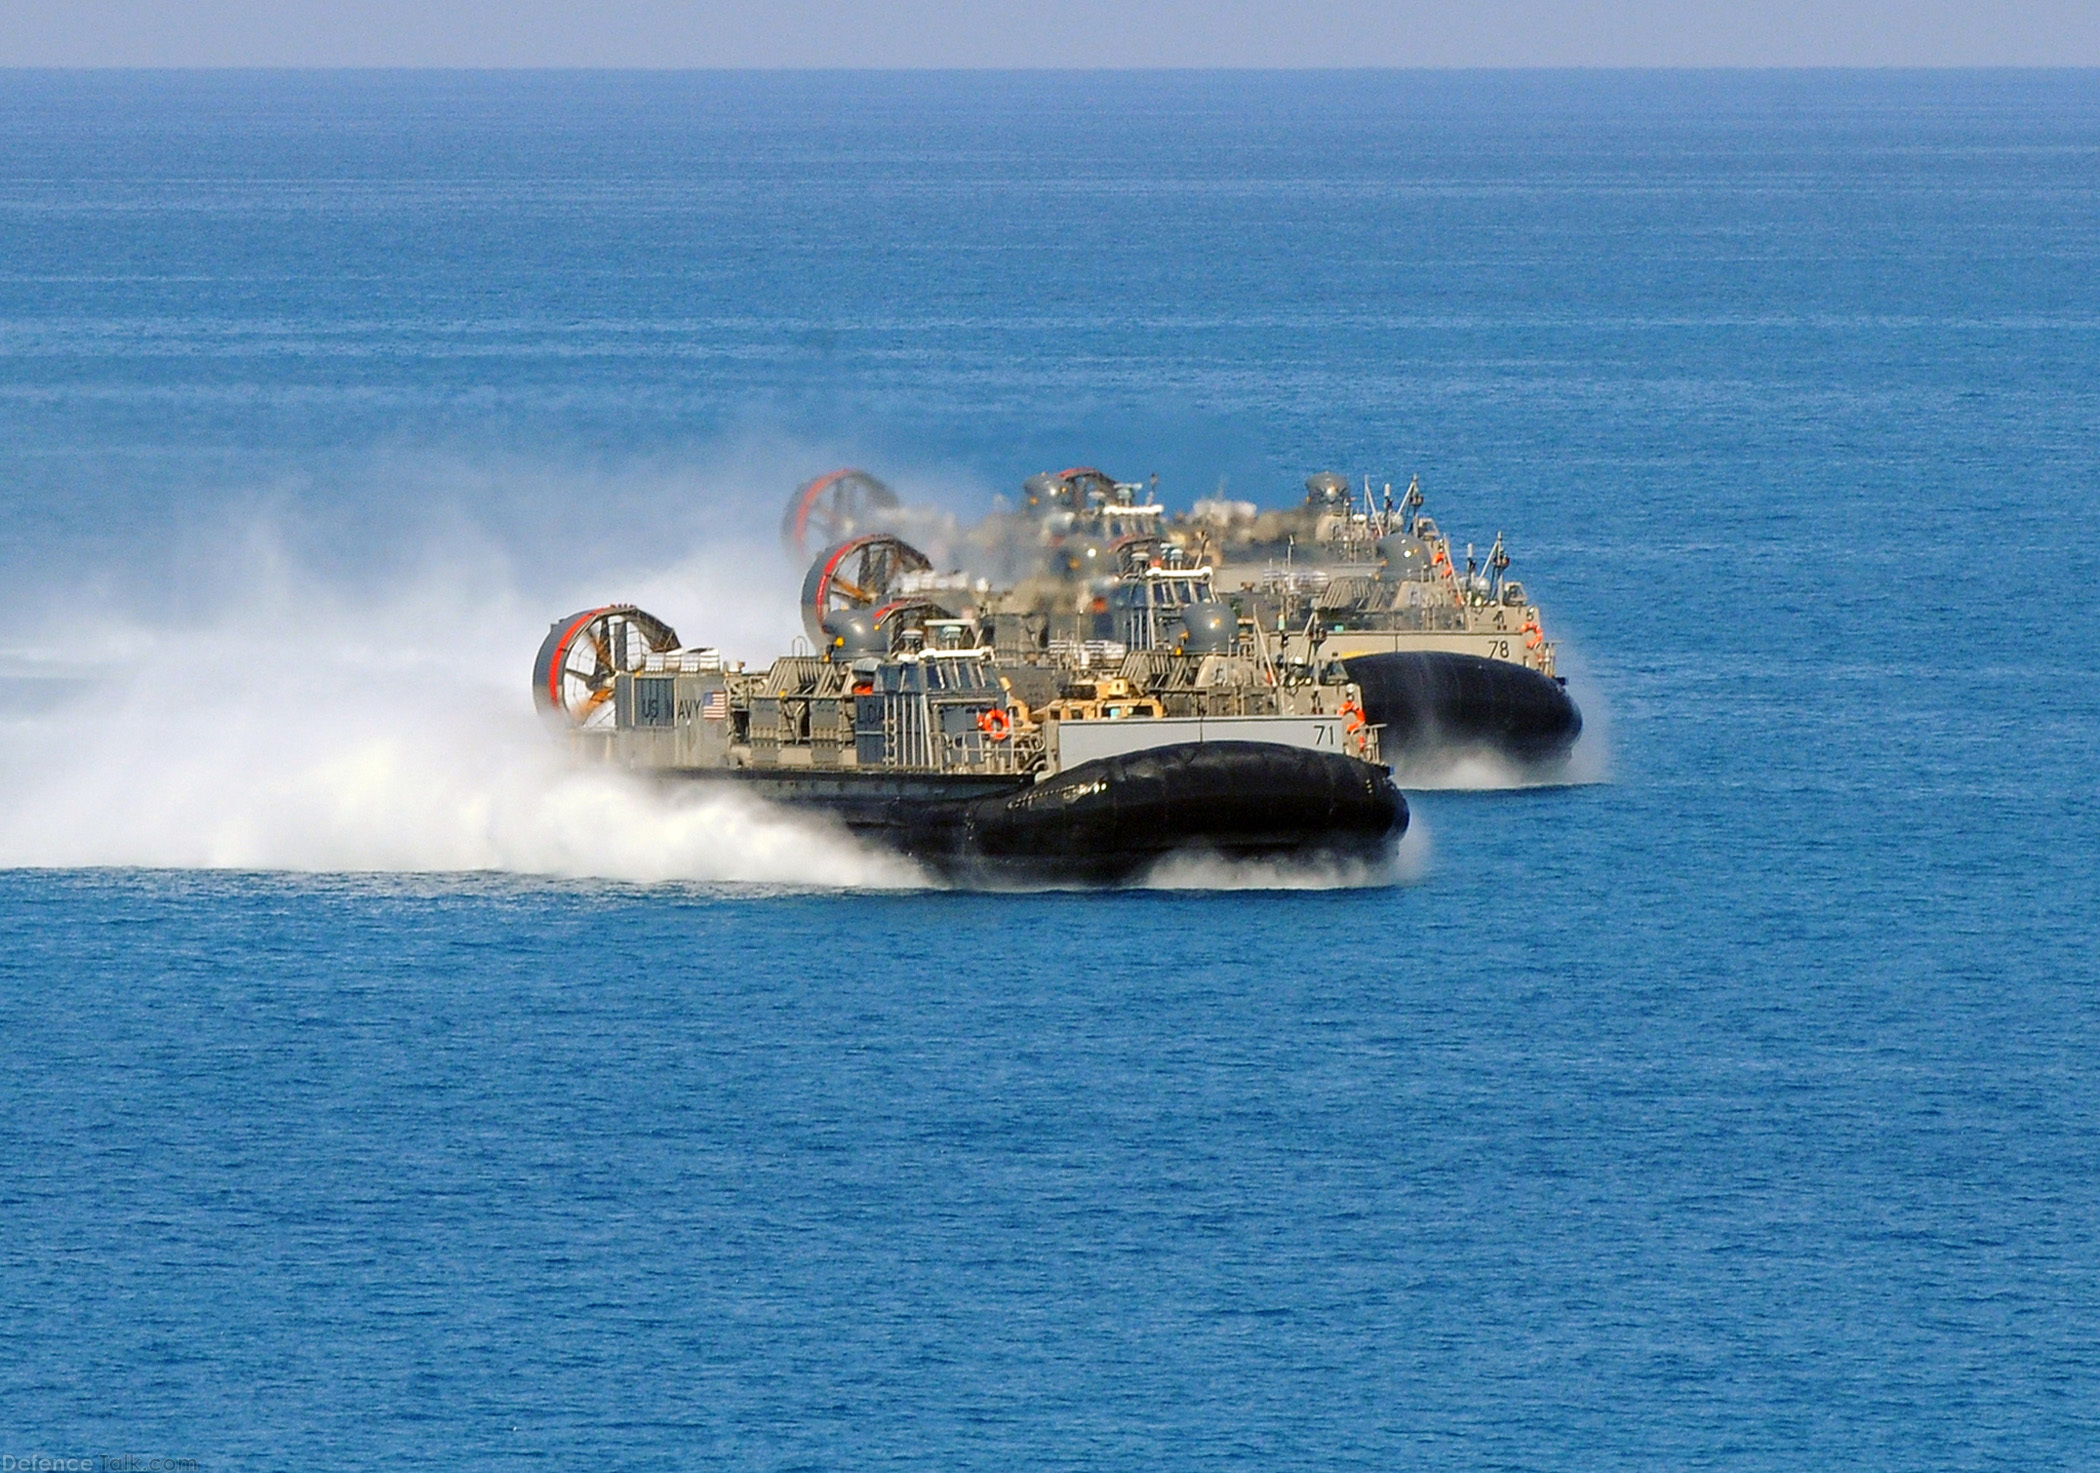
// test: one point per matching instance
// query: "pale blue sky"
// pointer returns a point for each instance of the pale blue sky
(1048, 33)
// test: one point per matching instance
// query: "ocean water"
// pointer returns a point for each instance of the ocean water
(377, 1091)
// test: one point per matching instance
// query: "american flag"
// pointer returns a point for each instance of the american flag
(716, 706)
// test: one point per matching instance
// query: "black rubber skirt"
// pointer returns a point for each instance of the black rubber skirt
(1108, 820)
(1433, 699)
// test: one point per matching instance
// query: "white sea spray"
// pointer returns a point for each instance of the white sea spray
(310, 722)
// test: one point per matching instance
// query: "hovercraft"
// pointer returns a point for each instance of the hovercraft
(909, 729)
(1450, 659)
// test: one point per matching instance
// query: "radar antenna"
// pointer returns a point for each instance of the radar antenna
(1497, 565)
(1411, 503)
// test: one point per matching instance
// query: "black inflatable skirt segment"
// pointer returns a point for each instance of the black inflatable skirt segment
(1427, 699)
(1107, 820)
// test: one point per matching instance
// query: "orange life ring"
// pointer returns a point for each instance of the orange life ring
(996, 724)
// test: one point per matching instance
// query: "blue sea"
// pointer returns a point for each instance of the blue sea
(379, 1092)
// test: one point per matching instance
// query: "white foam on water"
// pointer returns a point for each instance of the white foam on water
(1472, 770)
(1405, 864)
(308, 727)
(1590, 762)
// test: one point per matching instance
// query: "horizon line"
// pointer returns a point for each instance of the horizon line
(1125, 70)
